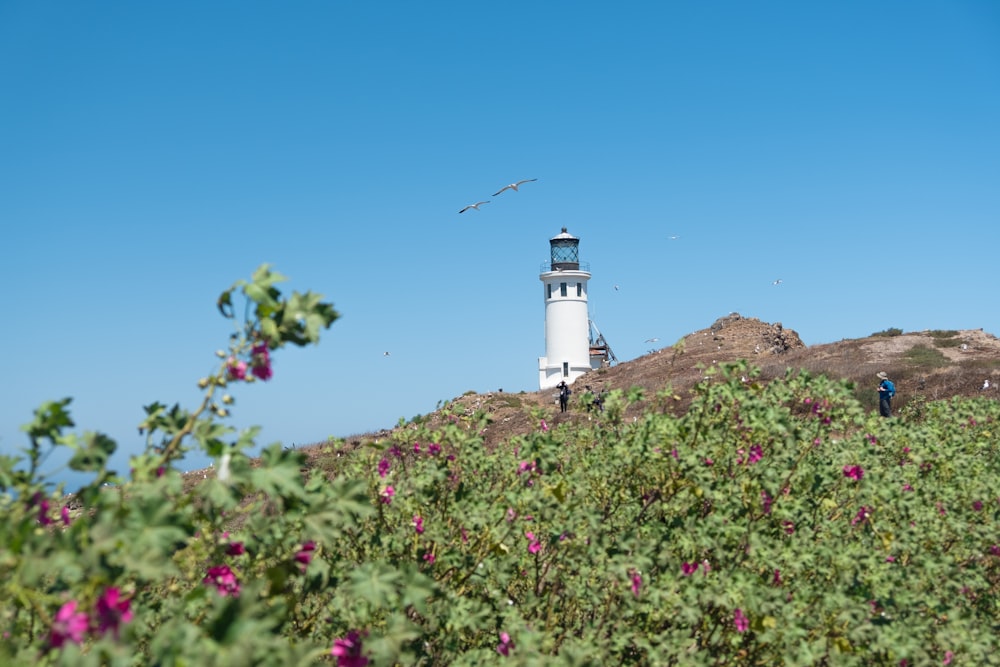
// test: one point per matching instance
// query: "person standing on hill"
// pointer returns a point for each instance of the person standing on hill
(564, 393)
(886, 392)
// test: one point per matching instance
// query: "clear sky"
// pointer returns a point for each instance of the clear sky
(151, 154)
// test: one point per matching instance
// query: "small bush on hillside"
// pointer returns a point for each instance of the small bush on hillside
(889, 332)
(926, 357)
(942, 333)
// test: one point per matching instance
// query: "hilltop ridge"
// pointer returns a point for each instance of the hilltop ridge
(933, 364)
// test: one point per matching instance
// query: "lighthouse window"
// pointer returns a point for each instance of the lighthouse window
(549, 295)
(562, 289)
(565, 369)
(579, 289)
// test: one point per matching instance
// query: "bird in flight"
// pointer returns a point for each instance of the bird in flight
(475, 206)
(674, 238)
(777, 282)
(513, 186)
(652, 340)
(616, 288)
(385, 354)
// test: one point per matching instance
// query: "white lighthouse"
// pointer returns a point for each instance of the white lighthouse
(567, 324)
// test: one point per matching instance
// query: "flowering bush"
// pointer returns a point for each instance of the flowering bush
(771, 524)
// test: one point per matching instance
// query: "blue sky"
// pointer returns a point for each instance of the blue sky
(153, 153)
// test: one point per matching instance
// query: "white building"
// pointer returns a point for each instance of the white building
(567, 324)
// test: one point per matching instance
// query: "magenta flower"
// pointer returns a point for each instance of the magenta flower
(505, 644)
(68, 625)
(305, 554)
(260, 361)
(777, 577)
(418, 524)
(235, 549)
(854, 472)
(741, 622)
(39, 501)
(789, 527)
(545, 427)
(534, 546)
(861, 516)
(112, 612)
(64, 514)
(348, 651)
(948, 655)
(387, 493)
(430, 558)
(689, 568)
(416, 448)
(433, 449)
(636, 582)
(236, 370)
(223, 579)
(383, 467)
(756, 454)
(766, 500)
(977, 505)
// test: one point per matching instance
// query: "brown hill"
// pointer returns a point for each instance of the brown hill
(927, 365)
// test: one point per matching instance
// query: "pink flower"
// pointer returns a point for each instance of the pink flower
(236, 370)
(112, 612)
(505, 644)
(948, 655)
(534, 546)
(777, 577)
(854, 472)
(383, 467)
(433, 449)
(387, 493)
(789, 527)
(907, 487)
(64, 514)
(418, 524)
(741, 622)
(348, 651)
(260, 361)
(465, 535)
(861, 516)
(976, 505)
(39, 501)
(689, 568)
(709, 462)
(68, 625)
(305, 554)
(766, 500)
(636, 583)
(756, 454)
(545, 427)
(223, 579)
(416, 448)
(429, 557)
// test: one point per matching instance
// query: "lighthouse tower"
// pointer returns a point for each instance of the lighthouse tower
(567, 325)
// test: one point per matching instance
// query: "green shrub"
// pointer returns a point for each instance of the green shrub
(773, 523)
(889, 332)
(926, 357)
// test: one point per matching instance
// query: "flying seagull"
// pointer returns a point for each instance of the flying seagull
(513, 186)
(616, 288)
(475, 206)
(652, 340)
(777, 282)
(385, 354)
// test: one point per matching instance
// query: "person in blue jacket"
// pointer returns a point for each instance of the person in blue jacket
(886, 392)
